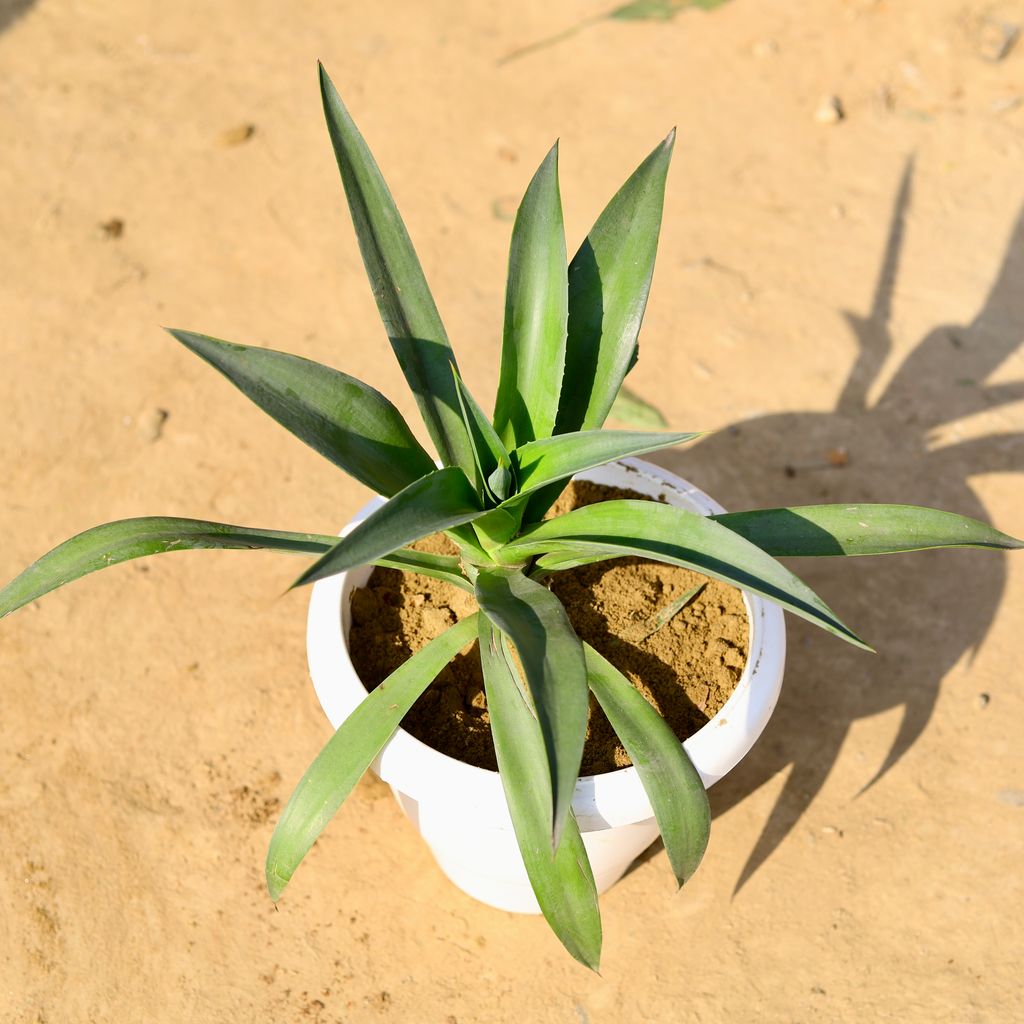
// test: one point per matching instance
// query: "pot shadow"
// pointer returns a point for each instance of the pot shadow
(11, 10)
(923, 612)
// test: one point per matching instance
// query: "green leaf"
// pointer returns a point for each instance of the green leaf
(649, 10)
(667, 534)
(351, 750)
(501, 482)
(494, 529)
(668, 613)
(465, 538)
(434, 503)
(533, 349)
(659, 10)
(560, 559)
(406, 306)
(343, 419)
(861, 530)
(640, 631)
(446, 568)
(562, 881)
(493, 465)
(671, 782)
(552, 657)
(125, 539)
(629, 408)
(609, 279)
(551, 459)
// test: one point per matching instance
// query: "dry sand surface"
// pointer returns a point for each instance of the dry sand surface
(168, 164)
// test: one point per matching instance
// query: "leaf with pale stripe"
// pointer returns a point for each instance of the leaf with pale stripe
(342, 418)
(351, 750)
(536, 305)
(648, 529)
(671, 782)
(816, 530)
(552, 656)
(406, 306)
(436, 502)
(562, 879)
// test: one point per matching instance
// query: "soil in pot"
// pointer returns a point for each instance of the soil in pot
(687, 668)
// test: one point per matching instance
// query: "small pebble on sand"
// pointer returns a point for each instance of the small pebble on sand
(830, 111)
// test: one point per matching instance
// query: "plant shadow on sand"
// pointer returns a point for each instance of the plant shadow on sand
(922, 612)
(11, 10)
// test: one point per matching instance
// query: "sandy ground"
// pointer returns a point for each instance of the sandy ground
(154, 717)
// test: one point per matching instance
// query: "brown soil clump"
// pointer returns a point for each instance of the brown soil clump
(686, 669)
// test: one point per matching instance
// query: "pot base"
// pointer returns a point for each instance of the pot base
(485, 863)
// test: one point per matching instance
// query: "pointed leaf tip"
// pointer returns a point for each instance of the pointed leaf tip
(326, 85)
(275, 885)
(550, 161)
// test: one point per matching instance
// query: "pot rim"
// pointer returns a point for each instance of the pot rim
(606, 799)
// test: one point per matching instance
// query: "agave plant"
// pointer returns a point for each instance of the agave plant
(570, 339)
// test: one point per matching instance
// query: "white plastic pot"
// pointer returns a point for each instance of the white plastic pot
(461, 810)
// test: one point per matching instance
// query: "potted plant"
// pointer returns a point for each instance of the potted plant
(570, 338)
(459, 807)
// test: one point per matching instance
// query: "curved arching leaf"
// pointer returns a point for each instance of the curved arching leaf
(552, 657)
(112, 543)
(609, 280)
(612, 529)
(817, 530)
(433, 503)
(562, 879)
(551, 459)
(406, 306)
(342, 418)
(351, 750)
(671, 782)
